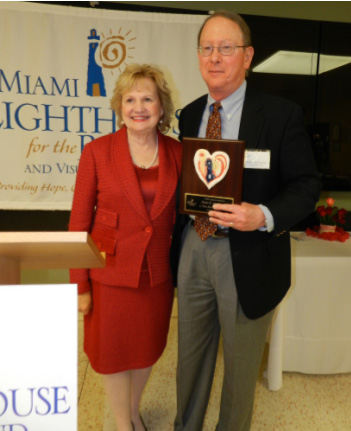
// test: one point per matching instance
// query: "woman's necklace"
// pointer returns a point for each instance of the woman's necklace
(153, 160)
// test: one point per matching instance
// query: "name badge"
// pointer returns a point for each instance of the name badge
(257, 159)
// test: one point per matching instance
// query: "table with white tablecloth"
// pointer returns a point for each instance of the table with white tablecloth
(311, 328)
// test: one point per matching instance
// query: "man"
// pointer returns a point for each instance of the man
(232, 281)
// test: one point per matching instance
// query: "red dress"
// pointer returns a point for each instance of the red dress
(127, 328)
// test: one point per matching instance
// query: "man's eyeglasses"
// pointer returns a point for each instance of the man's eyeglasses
(207, 50)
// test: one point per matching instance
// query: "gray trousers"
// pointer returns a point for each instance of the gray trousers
(208, 304)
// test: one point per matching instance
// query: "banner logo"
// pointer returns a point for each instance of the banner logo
(111, 53)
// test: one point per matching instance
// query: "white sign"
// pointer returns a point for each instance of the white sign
(38, 361)
(58, 69)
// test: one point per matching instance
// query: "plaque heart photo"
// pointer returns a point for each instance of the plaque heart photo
(217, 177)
(211, 168)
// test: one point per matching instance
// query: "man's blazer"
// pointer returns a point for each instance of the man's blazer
(289, 189)
(108, 203)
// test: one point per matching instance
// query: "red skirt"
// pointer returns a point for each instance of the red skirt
(127, 328)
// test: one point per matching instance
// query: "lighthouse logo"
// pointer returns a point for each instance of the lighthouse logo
(108, 53)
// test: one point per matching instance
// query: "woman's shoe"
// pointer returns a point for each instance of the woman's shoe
(141, 418)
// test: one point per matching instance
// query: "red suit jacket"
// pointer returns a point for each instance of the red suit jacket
(108, 204)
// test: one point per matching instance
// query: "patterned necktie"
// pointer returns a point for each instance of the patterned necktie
(203, 227)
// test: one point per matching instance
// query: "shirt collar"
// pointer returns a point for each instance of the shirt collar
(232, 102)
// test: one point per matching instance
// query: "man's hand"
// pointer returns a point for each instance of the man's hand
(244, 217)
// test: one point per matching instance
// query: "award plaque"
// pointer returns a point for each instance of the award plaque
(212, 173)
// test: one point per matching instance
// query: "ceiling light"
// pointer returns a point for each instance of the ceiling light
(300, 63)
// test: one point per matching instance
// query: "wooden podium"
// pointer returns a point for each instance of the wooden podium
(45, 250)
(39, 329)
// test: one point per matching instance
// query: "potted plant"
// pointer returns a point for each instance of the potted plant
(330, 216)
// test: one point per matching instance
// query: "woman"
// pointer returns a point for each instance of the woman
(125, 198)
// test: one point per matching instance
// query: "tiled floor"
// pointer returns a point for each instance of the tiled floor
(305, 403)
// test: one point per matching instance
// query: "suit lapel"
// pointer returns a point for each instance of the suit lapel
(251, 125)
(123, 165)
(192, 121)
(252, 119)
(167, 178)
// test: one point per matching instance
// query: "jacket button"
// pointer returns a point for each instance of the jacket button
(148, 229)
(99, 244)
(104, 218)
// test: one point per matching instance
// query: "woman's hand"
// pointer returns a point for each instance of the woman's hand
(85, 303)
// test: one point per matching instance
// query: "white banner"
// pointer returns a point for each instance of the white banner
(38, 363)
(58, 68)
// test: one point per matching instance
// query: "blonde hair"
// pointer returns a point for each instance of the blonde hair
(129, 77)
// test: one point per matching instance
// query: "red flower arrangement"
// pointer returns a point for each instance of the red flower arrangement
(331, 215)
(330, 218)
